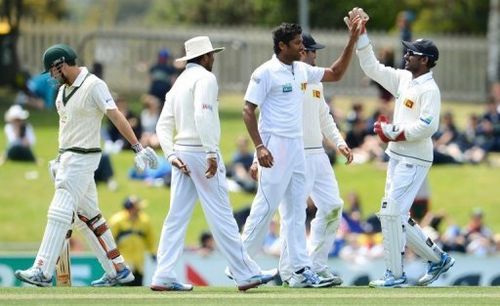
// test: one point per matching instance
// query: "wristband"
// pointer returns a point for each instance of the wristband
(137, 147)
(259, 146)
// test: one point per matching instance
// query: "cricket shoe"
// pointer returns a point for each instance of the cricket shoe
(172, 286)
(229, 275)
(257, 280)
(327, 275)
(388, 281)
(307, 279)
(436, 269)
(122, 277)
(33, 276)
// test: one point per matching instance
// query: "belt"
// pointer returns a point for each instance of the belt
(81, 150)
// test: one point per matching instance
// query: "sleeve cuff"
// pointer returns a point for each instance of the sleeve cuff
(211, 155)
(363, 41)
(171, 157)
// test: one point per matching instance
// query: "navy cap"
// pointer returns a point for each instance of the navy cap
(309, 43)
(131, 202)
(424, 46)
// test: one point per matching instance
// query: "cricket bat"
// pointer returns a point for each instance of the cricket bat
(63, 265)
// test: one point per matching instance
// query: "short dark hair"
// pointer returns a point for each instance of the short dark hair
(286, 32)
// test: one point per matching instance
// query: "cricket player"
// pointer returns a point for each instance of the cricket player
(415, 120)
(191, 109)
(321, 184)
(81, 102)
(278, 87)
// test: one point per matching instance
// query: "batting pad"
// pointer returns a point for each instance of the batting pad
(95, 245)
(392, 231)
(422, 245)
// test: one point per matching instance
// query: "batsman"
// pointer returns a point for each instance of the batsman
(82, 101)
(416, 119)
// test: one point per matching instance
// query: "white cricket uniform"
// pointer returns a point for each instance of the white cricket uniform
(81, 107)
(278, 90)
(191, 108)
(321, 184)
(416, 111)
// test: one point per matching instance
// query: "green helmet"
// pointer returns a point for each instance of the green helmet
(57, 52)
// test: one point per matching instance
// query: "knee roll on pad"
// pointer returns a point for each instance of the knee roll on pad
(62, 207)
(99, 227)
(422, 245)
(392, 231)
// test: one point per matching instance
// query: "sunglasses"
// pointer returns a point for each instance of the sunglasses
(415, 53)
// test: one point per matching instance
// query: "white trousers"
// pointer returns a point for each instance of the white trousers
(284, 181)
(214, 198)
(402, 185)
(321, 185)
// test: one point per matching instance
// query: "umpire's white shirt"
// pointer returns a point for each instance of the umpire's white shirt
(317, 120)
(81, 115)
(191, 108)
(417, 106)
(279, 94)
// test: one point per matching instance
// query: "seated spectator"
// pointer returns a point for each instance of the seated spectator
(479, 238)
(115, 142)
(238, 170)
(446, 142)
(453, 240)
(207, 244)
(149, 117)
(490, 127)
(158, 177)
(20, 135)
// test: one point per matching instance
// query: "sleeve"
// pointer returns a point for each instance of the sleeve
(30, 134)
(386, 76)
(314, 74)
(428, 122)
(10, 134)
(257, 88)
(165, 128)
(206, 113)
(102, 97)
(328, 127)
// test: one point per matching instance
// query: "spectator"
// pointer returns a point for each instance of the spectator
(42, 90)
(446, 142)
(479, 238)
(20, 135)
(240, 166)
(116, 141)
(134, 235)
(149, 117)
(162, 76)
(207, 244)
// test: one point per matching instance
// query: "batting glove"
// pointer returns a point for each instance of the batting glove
(145, 157)
(388, 131)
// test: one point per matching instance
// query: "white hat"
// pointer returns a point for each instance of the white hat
(198, 46)
(16, 112)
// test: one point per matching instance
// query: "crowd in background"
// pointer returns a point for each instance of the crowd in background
(359, 238)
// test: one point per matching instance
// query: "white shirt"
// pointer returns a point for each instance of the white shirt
(416, 110)
(317, 120)
(13, 137)
(81, 116)
(191, 108)
(278, 90)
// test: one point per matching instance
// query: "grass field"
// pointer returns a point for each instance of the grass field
(260, 296)
(26, 189)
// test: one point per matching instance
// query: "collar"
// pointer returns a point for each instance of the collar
(423, 78)
(191, 65)
(81, 77)
(280, 65)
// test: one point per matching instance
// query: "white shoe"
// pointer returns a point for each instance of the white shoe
(122, 277)
(388, 281)
(327, 275)
(257, 280)
(436, 269)
(307, 279)
(33, 276)
(172, 286)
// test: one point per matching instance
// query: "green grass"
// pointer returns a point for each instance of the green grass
(259, 296)
(455, 190)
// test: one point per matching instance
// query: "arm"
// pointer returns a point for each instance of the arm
(206, 119)
(121, 123)
(338, 68)
(428, 122)
(263, 155)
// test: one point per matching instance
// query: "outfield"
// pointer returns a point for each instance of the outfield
(260, 296)
(26, 189)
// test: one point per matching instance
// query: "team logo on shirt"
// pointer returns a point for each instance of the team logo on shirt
(303, 86)
(409, 103)
(287, 87)
(255, 79)
(207, 106)
(316, 94)
(427, 120)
